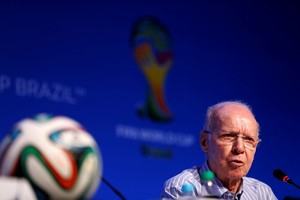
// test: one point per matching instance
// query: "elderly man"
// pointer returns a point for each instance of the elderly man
(229, 140)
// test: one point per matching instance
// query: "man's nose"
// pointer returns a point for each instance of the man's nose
(238, 145)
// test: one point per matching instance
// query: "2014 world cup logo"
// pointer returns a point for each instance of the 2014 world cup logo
(152, 48)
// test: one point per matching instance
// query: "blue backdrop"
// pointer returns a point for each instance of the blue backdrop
(77, 59)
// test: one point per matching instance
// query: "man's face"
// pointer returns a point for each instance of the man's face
(231, 161)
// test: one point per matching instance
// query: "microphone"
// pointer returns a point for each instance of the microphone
(279, 174)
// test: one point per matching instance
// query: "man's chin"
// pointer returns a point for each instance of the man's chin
(236, 174)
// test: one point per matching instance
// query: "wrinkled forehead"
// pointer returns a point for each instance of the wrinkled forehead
(235, 116)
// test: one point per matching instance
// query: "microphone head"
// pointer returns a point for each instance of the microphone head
(279, 174)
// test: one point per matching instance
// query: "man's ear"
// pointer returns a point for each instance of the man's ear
(203, 141)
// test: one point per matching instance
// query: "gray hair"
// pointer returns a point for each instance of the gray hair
(210, 120)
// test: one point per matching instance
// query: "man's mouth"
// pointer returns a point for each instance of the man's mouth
(236, 163)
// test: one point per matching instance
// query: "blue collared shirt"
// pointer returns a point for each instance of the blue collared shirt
(250, 189)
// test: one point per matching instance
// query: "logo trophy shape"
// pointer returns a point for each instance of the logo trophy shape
(151, 46)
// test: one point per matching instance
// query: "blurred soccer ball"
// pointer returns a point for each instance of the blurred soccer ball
(56, 154)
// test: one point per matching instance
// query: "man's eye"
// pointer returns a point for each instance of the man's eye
(249, 139)
(228, 136)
